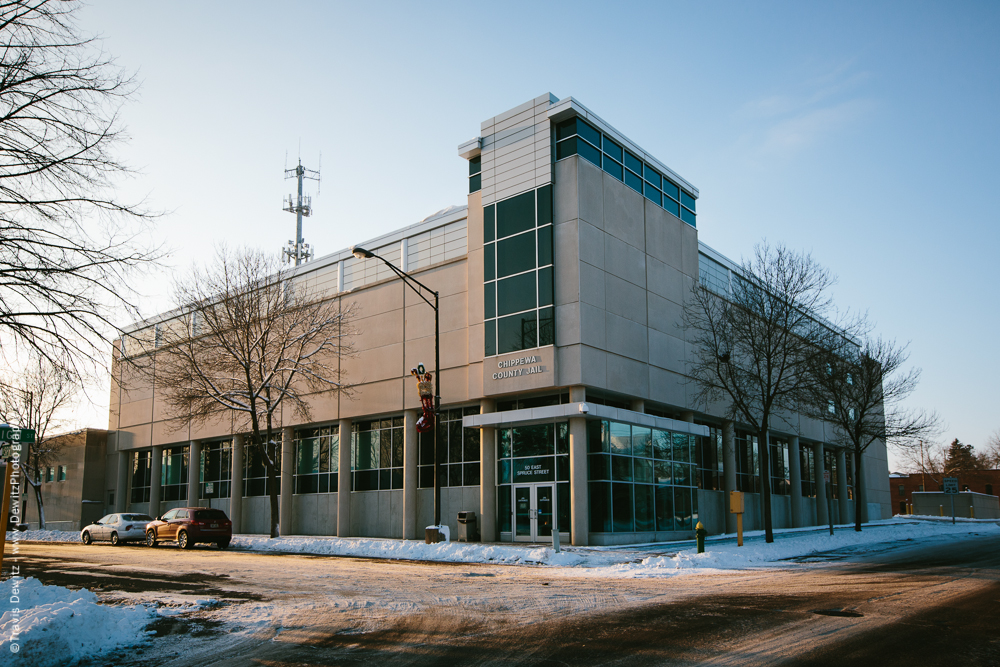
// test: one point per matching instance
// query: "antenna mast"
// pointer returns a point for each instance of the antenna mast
(297, 251)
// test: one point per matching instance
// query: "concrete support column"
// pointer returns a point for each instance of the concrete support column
(287, 486)
(861, 488)
(845, 509)
(155, 479)
(411, 444)
(637, 405)
(687, 416)
(194, 473)
(487, 477)
(579, 510)
(795, 474)
(236, 485)
(729, 469)
(344, 479)
(121, 490)
(822, 518)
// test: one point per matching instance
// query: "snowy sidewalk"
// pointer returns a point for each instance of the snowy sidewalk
(633, 560)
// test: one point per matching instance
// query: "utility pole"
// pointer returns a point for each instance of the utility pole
(298, 251)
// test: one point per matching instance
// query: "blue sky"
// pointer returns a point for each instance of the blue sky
(865, 133)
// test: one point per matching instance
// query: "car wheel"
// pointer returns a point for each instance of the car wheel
(151, 538)
(222, 544)
(114, 540)
(87, 539)
(183, 541)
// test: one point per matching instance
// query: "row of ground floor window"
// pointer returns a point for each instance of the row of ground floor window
(639, 480)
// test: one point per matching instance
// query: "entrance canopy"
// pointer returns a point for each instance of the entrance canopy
(592, 411)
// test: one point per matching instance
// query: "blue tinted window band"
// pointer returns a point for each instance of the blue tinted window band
(577, 137)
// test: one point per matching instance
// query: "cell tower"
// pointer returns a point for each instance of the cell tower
(298, 251)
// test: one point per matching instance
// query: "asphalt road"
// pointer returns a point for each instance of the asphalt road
(900, 604)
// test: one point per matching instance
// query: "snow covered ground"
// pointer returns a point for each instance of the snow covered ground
(47, 626)
(721, 553)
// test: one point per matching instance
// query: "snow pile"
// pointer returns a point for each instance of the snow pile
(52, 625)
(45, 536)
(451, 552)
(757, 554)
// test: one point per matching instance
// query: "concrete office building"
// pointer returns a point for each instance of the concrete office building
(563, 371)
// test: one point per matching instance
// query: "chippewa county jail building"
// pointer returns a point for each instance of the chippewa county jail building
(564, 396)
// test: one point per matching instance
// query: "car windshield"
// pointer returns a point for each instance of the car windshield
(136, 517)
(210, 515)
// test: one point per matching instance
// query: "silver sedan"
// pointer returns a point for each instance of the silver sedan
(117, 528)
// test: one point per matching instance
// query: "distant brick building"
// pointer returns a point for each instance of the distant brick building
(73, 484)
(902, 485)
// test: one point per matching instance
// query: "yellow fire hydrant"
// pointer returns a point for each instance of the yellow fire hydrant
(700, 534)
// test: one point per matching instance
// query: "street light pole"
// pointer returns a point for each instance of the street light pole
(417, 286)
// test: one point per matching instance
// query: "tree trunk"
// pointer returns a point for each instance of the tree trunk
(764, 451)
(857, 489)
(41, 507)
(272, 485)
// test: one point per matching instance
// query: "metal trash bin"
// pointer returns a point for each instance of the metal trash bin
(468, 530)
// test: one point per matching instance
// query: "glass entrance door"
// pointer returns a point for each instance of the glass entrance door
(534, 507)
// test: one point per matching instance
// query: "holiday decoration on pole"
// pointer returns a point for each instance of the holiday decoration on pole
(425, 388)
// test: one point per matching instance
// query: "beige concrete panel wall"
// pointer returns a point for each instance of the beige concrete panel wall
(625, 299)
(374, 365)
(323, 406)
(628, 376)
(378, 329)
(625, 261)
(624, 212)
(170, 431)
(136, 412)
(627, 338)
(667, 352)
(664, 238)
(133, 437)
(567, 265)
(221, 425)
(593, 366)
(375, 299)
(135, 384)
(665, 315)
(667, 387)
(593, 285)
(591, 244)
(593, 326)
(455, 385)
(568, 324)
(477, 343)
(590, 184)
(565, 191)
(374, 398)
(475, 221)
(689, 250)
(569, 363)
(454, 351)
(666, 281)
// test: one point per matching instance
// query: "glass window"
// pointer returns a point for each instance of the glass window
(216, 469)
(491, 338)
(600, 507)
(489, 223)
(377, 454)
(645, 519)
(489, 261)
(516, 294)
(545, 286)
(566, 148)
(634, 181)
(622, 504)
(516, 254)
(174, 474)
(545, 245)
(652, 176)
(670, 189)
(687, 200)
(475, 165)
(534, 440)
(141, 466)
(688, 217)
(642, 443)
(653, 194)
(612, 149)
(589, 152)
(671, 206)
(621, 438)
(588, 132)
(544, 205)
(633, 163)
(475, 183)
(516, 214)
(490, 297)
(566, 129)
(613, 168)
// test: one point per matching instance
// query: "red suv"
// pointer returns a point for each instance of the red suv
(190, 525)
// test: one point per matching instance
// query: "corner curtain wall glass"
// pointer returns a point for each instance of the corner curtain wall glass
(458, 448)
(518, 287)
(141, 467)
(174, 474)
(641, 479)
(377, 455)
(576, 136)
(215, 469)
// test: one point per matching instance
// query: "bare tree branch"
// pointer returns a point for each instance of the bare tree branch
(249, 341)
(68, 246)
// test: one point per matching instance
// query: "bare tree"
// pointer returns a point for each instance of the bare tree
(67, 243)
(250, 341)
(37, 396)
(860, 391)
(754, 339)
(991, 455)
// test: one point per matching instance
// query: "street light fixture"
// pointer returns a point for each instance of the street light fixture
(420, 288)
